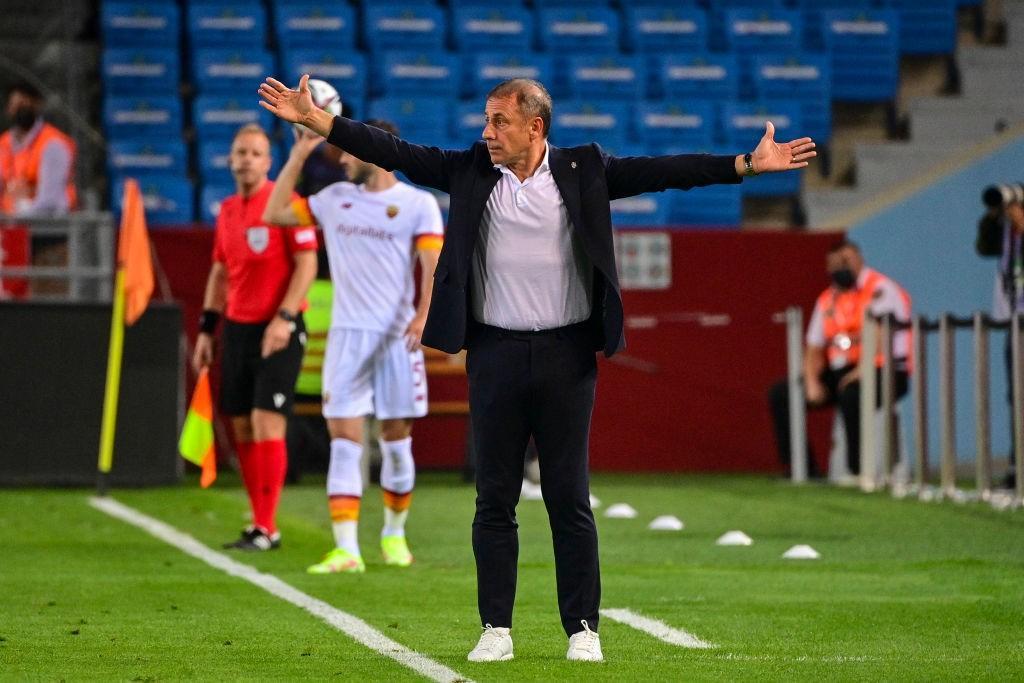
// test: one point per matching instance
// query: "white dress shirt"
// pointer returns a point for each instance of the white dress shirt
(529, 269)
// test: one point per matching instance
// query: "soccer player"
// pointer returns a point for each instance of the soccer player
(373, 227)
(258, 282)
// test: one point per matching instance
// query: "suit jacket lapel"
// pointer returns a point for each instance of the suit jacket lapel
(566, 174)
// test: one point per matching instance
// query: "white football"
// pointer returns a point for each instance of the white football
(325, 97)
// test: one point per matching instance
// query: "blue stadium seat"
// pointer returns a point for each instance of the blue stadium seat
(168, 199)
(144, 117)
(667, 29)
(564, 30)
(423, 120)
(743, 125)
(423, 73)
(487, 69)
(865, 54)
(225, 24)
(210, 198)
(140, 71)
(579, 122)
(404, 26)
(219, 116)
(645, 210)
(927, 27)
(137, 158)
(225, 70)
(610, 76)
(312, 24)
(803, 78)
(814, 38)
(492, 28)
(213, 163)
(751, 31)
(699, 76)
(715, 206)
(467, 123)
(140, 23)
(346, 70)
(691, 125)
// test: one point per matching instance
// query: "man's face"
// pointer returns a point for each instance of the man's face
(19, 106)
(846, 258)
(357, 170)
(250, 159)
(506, 131)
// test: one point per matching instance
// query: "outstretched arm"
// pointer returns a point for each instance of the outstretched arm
(428, 166)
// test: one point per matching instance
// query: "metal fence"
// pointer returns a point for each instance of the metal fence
(879, 437)
(87, 271)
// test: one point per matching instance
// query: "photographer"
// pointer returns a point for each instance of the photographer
(1000, 234)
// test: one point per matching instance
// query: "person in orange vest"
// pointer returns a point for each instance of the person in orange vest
(37, 160)
(833, 348)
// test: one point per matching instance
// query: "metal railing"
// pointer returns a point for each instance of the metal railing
(877, 452)
(89, 269)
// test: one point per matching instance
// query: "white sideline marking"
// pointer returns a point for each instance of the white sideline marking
(350, 625)
(656, 628)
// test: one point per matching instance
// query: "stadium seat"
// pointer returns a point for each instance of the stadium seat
(492, 28)
(690, 124)
(423, 120)
(565, 30)
(140, 71)
(714, 206)
(753, 32)
(223, 23)
(219, 116)
(814, 38)
(210, 198)
(467, 123)
(645, 210)
(926, 26)
(138, 158)
(143, 117)
(346, 70)
(487, 69)
(140, 24)
(743, 125)
(621, 77)
(321, 25)
(667, 29)
(212, 159)
(426, 73)
(230, 71)
(697, 76)
(579, 122)
(404, 26)
(865, 54)
(803, 78)
(168, 199)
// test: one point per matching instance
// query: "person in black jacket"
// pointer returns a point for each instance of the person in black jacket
(526, 282)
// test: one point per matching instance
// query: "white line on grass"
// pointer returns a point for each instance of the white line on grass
(352, 626)
(656, 628)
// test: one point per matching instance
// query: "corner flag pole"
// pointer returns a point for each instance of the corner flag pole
(113, 386)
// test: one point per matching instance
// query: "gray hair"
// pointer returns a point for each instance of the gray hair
(532, 98)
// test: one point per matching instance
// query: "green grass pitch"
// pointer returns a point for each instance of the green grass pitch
(904, 590)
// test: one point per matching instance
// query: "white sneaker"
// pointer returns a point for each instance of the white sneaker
(495, 646)
(585, 646)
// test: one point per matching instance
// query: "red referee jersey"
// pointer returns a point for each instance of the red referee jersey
(259, 258)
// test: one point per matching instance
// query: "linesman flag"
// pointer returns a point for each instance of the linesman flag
(196, 442)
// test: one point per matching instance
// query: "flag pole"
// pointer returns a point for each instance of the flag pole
(113, 387)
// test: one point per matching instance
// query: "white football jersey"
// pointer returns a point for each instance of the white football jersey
(370, 239)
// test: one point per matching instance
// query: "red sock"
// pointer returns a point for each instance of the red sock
(249, 463)
(273, 463)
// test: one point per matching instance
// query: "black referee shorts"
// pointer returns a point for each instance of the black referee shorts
(249, 381)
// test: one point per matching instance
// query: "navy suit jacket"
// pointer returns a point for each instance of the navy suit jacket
(587, 179)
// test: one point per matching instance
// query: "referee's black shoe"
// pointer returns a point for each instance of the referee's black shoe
(256, 539)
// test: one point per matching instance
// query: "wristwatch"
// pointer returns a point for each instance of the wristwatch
(285, 315)
(748, 165)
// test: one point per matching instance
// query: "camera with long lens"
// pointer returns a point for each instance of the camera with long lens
(1002, 195)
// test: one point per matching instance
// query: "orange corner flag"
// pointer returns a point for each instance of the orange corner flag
(196, 442)
(133, 255)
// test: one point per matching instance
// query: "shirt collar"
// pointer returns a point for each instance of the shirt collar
(29, 135)
(544, 165)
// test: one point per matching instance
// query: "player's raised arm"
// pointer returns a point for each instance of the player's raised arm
(281, 209)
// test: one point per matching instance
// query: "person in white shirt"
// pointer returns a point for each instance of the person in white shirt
(374, 227)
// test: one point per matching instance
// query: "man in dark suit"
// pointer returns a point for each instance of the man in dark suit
(526, 282)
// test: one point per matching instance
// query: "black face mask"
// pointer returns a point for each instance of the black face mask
(25, 117)
(843, 278)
